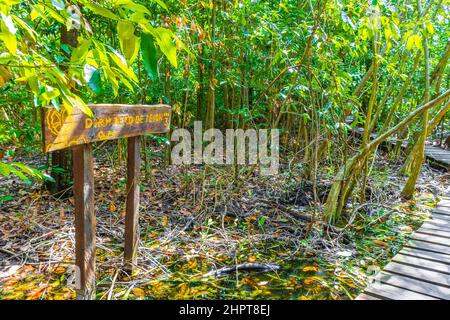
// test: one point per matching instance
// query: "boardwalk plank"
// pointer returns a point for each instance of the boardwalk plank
(444, 203)
(442, 224)
(435, 277)
(431, 238)
(422, 263)
(433, 256)
(436, 232)
(441, 211)
(436, 216)
(365, 296)
(394, 293)
(415, 285)
(428, 246)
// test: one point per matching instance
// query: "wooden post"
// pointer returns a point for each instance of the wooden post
(83, 173)
(132, 206)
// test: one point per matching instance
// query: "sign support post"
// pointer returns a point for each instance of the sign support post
(83, 173)
(132, 205)
(73, 129)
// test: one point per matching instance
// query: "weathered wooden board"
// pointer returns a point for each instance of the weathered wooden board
(415, 285)
(62, 129)
(436, 232)
(444, 204)
(429, 255)
(441, 211)
(443, 224)
(428, 246)
(439, 217)
(422, 263)
(435, 277)
(437, 154)
(431, 238)
(389, 292)
(365, 296)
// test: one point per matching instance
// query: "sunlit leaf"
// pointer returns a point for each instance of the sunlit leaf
(149, 55)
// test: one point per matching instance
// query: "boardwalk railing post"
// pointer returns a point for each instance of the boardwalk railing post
(83, 172)
(132, 205)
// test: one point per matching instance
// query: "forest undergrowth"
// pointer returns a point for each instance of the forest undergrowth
(196, 220)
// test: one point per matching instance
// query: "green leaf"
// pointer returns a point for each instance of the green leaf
(6, 198)
(92, 78)
(121, 2)
(121, 62)
(33, 34)
(10, 41)
(5, 169)
(100, 10)
(414, 41)
(74, 101)
(125, 30)
(50, 93)
(162, 4)
(149, 55)
(137, 7)
(20, 174)
(8, 22)
(80, 52)
(129, 43)
(59, 4)
(166, 45)
(430, 28)
(6, 57)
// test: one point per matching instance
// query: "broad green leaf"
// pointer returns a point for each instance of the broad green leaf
(430, 28)
(50, 93)
(161, 3)
(121, 2)
(125, 81)
(388, 33)
(6, 57)
(7, 21)
(5, 169)
(80, 52)
(125, 29)
(111, 76)
(414, 41)
(100, 10)
(129, 43)
(120, 61)
(92, 78)
(149, 55)
(33, 172)
(55, 15)
(59, 4)
(6, 198)
(137, 7)
(9, 40)
(166, 45)
(74, 101)
(24, 25)
(20, 174)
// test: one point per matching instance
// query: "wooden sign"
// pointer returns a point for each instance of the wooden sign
(63, 129)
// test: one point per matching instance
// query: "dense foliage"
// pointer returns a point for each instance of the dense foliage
(314, 69)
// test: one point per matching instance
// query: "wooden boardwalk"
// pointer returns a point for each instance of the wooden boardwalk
(421, 270)
(438, 155)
